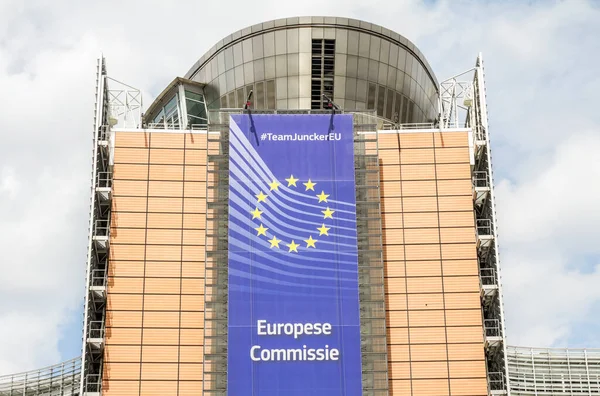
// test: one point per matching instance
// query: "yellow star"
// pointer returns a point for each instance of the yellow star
(275, 242)
(261, 197)
(328, 213)
(310, 185)
(293, 247)
(291, 181)
(256, 213)
(310, 242)
(261, 230)
(274, 185)
(323, 230)
(322, 197)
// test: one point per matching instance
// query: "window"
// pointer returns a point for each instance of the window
(196, 109)
(322, 72)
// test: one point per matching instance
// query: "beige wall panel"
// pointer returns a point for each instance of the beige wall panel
(159, 354)
(388, 141)
(463, 317)
(129, 204)
(163, 269)
(419, 204)
(453, 171)
(468, 369)
(192, 320)
(455, 284)
(396, 302)
(196, 141)
(132, 188)
(389, 157)
(123, 336)
(469, 387)
(430, 284)
(125, 285)
(166, 156)
(165, 220)
(455, 203)
(121, 371)
(195, 157)
(426, 318)
(122, 353)
(398, 370)
(393, 236)
(130, 172)
(465, 334)
(194, 173)
(451, 139)
(462, 300)
(191, 337)
(422, 252)
(420, 220)
(398, 335)
(124, 302)
(161, 336)
(192, 269)
(431, 387)
(460, 267)
(427, 353)
(465, 351)
(126, 268)
(130, 155)
(163, 252)
(127, 236)
(191, 354)
(393, 252)
(120, 388)
(400, 387)
(397, 318)
(425, 301)
(458, 235)
(194, 205)
(163, 237)
(127, 252)
(398, 353)
(391, 205)
(390, 188)
(123, 319)
(452, 155)
(166, 140)
(166, 189)
(194, 221)
(390, 172)
(193, 253)
(427, 335)
(159, 371)
(190, 388)
(131, 139)
(190, 372)
(161, 319)
(127, 220)
(394, 268)
(395, 285)
(192, 303)
(458, 251)
(392, 220)
(418, 172)
(424, 268)
(166, 172)
(429, 370)
(158, 388)
(422, 235)
(194, 189)
(457, 219)
(162, 285)
(161, 302)
(416, 156)
(164, 205)
(455, 187)
(421, 188)
(415, 140)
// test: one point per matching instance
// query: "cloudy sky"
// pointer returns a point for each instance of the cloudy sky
(541, 62)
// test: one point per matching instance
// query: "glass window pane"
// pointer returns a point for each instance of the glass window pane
(270, 67)
(259, 69)
(248, 72)
(384, 51)
(231, 99)
(363, 68)
(397, 108)
(373, 70)
(371, 96)
(380, 100)
(281, 65)
(271, 95)
(241, 100)
(361, 91)
(393, 58)
(389, 102)
(260, 96)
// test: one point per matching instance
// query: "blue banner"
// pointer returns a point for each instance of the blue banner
(294, 326)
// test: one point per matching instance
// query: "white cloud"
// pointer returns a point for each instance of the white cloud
(541, 79)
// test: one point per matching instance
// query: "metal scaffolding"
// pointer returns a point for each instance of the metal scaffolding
(59, 380)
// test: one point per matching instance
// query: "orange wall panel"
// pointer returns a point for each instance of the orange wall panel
(415, 140)
(418, 172)
(159, 371)
(195, 157)
(123, 336)
(163, 269)
(394, 269)
(130, 172)
(420, 220)
(463, 317)
(191, 337)
(161, 302)
(428, 284)
(422, 252)
(131, 139)
(451, 139)
(397, 335)
(426, 318)
(457, 235)
(455, 203)
(124, 302)
(122, 371)
(158, 319)
(159, 354)
(419, 204)
(125, 285)
(130, 155)
(399, 370)
(420, 188)
(191, 354)
(400, 387)
(463, 334)
(131, 188)
(460, 267)
(163, 337)
(469, 387)
(128, 236)
(425, 301)
(190, 372)
(462, 300)
(425, 370)
(422, 236)
(471, 369)
(430, 387)
(120, 388)
(398, 353)
(427, 335)
(163, 237)
(127, 220)
(451, 251)
(190, 388)
(158, 388)
(118, 268)
(424, 268)
(395, 285)
(465, 351)
(129, 204)
(452, 155)
(163, 253)
(416, 156)
(454, 284)
(453, 171)
(454, 187)
(389, 157)
(167, 140)
(122, 353)
(428, 353)
(123, 319)
(192, 269)
(166, 172)
(162, 156)
(396, 302)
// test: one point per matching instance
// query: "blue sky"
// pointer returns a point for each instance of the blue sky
(541, 62)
